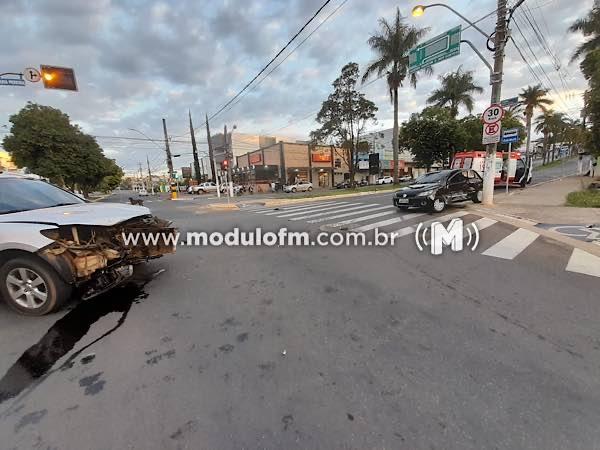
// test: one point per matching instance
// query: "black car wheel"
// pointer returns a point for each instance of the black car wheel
(31, 287)
(438, 205)
(477, 196)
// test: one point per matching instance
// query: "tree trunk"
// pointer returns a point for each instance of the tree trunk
(395, 137)
(528, 155)
(545, 148)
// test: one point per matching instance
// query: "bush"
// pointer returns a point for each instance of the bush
(589, 198)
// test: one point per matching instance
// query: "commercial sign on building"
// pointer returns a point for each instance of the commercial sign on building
(255, 158)
(186, 172)
(321, 156)
(363, 165)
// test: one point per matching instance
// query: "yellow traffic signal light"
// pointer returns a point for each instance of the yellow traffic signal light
(58, 78)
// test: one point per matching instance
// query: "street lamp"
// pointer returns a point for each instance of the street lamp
(419, 10)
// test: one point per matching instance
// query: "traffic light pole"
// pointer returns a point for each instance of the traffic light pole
(496, 82)
(211, 154)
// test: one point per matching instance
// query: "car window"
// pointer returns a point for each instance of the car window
(18, 194)
(457, 178)
(468, 162)
(432, 177)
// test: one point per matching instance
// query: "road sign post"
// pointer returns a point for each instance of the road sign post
(509, 136)
(441, 47)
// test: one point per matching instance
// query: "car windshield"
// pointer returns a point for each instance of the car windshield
(432, 177)
(17, 194)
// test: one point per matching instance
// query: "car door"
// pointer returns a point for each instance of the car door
(457, 187)
(474, 181)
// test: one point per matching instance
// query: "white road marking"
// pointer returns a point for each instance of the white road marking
(410, 230)
(512, 245)
(311, 215)
(339, 216)
(483, 223)
(385, 223)
(363, 218)
(315, 209)
(271, 211)
(584, 262)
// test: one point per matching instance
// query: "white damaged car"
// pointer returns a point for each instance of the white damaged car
(52, 242)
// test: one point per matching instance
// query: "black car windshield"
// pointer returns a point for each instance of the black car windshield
(432, 177)
(21, 194)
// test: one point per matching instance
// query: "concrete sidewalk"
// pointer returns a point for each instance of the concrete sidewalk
(545, 203)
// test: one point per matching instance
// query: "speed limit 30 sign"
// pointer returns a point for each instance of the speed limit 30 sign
(493, 114)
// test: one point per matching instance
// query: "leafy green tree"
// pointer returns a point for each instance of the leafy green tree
(391, 45)
(432, 136)
(472, 128)
(532, 98)
(344, 115)
(43, 139)
(456, 89)
(589, 52)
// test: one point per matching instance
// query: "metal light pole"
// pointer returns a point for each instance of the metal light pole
(495, 81)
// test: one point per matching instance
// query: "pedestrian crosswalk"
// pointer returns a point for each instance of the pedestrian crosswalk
(363, 216)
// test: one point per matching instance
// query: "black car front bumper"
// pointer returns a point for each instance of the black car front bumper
(405, 202)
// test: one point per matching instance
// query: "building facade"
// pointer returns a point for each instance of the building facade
(289, 162)
(381, 142)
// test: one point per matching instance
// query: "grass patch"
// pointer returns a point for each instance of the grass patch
(329, 192)
(589, 198)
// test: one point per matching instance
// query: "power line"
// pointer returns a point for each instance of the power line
(271, 61)
(288, 55)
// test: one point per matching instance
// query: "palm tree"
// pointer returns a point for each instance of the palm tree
(589, 26)
(533, 97)
(543, 125)
(391, 46)
(457, 89)
(558, 127)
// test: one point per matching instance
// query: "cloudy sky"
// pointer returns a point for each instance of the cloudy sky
(138, 61)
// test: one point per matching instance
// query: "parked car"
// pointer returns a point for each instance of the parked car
(300, 186)
(343, 184)
(143, 193)
(385, 180)
(405, 178)
(435, 190)
(52, 242)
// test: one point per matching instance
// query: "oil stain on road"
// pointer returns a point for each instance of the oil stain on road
(37, 361)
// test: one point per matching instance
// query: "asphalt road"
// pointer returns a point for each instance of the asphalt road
(314, 347)
(566, 168)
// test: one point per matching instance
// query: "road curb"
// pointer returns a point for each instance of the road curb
(223, 206)
(531, 226)
(287, 201)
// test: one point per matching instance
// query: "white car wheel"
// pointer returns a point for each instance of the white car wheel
(438, 205)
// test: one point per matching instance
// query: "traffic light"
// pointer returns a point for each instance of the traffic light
(58, 78)
(225, 164)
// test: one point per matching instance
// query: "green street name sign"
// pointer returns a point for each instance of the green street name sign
(434, 50)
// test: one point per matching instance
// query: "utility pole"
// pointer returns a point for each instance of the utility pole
(194, 149)
(203, 172)
(496, 82)
(168, 150)
(228, 157)
(141, 174)
(211, 155)
(149, 176)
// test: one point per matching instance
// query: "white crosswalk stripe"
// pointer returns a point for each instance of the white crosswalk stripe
(272, 211)
(319, 214)
(353, 213)
(584, 262)
(385, 223)
(483, 223)
(512, 245)
(315, 209)
(363, 218)
(411, 229)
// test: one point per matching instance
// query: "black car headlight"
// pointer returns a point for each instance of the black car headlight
(426, 193)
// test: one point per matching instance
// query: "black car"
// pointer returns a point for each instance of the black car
(435, 190)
